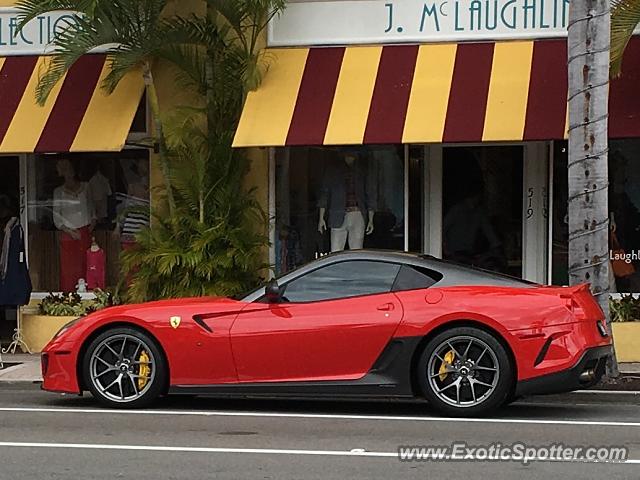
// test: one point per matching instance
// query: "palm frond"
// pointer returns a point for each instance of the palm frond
(625, 17)
(75, 41)
(31, 9)
(247, 18)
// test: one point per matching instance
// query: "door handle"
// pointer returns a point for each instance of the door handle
(387, 307)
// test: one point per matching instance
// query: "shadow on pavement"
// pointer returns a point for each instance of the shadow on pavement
(556, 408)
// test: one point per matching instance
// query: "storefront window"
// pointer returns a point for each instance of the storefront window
(331, 199)
(83, 210)
(624, 208)
(482, 207)
(624, 213)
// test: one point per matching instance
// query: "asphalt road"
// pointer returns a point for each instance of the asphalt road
(50, 436)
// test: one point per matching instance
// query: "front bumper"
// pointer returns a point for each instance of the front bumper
(59, 368)
(595, 359)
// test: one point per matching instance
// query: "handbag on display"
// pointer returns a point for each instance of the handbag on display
(621, 268)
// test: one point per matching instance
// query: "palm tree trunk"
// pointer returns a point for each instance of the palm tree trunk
(154, 105)
(588, 57)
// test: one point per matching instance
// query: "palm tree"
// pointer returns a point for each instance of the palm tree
(213, 244)
(210, 241)
(133, 35)
(588, 58)
(625, 17)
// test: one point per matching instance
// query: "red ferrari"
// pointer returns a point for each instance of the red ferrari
(360, 323)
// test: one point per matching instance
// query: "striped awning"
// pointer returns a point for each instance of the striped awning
(78, 115)
(471, 92)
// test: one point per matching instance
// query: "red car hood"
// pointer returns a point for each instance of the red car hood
(180, 306)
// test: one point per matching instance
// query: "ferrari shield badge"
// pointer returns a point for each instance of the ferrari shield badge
(175, 321)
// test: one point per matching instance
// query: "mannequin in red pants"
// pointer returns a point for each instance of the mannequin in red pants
(74, 216)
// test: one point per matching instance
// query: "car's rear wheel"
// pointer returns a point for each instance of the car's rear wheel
(465, 371)
(124, 368)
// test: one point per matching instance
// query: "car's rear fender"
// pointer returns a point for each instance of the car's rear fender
(460, 322)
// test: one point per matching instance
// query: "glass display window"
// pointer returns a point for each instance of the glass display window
(624, 214)
(335, 198)
(83, 209)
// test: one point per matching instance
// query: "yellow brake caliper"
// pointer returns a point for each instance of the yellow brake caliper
(449, 357)
(145, 369)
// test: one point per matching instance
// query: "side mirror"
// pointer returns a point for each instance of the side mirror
(272, 291)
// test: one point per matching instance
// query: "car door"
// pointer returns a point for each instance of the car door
(332, 324)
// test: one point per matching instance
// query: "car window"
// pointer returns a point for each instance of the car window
(342, 280)
(412, 277)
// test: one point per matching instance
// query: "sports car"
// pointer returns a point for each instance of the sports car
(352, 324)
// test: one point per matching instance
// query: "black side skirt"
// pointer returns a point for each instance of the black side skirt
(390, 376)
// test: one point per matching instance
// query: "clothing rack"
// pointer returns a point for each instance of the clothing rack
(17, 340)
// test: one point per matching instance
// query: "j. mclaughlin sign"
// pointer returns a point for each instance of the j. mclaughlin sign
(320, 22)
(35, 38)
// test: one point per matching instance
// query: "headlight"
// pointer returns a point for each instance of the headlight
(67, 327)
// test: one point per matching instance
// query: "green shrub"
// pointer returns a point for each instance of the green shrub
(71, 304)
(625, 309)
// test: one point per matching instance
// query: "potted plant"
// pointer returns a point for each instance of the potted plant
(625, 318)
(55, 311)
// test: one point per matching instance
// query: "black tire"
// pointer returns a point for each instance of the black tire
(502, 385)
(153, 388)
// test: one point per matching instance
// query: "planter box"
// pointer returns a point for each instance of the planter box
(626, 337)
(38, 330)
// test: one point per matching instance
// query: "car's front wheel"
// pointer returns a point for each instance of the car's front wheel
(465, 371)
(124, 368)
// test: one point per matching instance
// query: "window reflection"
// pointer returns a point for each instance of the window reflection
(83, 210)
(343, 280)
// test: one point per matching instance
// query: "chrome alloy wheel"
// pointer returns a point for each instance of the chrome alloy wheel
(463, 371)
(122, 368)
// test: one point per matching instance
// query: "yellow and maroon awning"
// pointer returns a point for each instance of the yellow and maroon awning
(78, 115)
(471, 92)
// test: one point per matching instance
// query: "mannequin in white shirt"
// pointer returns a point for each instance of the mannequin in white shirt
(72, 204)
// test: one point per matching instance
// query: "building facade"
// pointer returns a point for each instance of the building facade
(436, 127)
(70, 167)
(455, 117)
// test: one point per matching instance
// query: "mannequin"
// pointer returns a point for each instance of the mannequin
(95, 266)
(346, 196)
(135, 205)
(100, 191)
(74, 217)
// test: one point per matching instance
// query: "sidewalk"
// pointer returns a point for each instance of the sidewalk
(28, 370)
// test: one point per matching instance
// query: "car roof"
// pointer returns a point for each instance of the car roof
(452, 274)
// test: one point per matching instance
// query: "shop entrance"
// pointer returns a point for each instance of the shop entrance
(487, 205)
(9, 207)
(482, 207)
